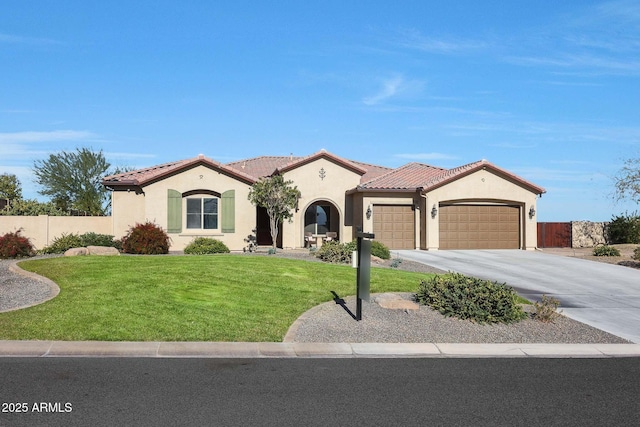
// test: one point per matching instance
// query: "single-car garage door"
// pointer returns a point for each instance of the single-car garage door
(394, 225)
(479, 227)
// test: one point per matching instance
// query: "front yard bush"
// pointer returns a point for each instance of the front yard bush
(337, 252)
(146, 239)
(636, 254)
(380, 250)
(605, 250)
(624, 228)
(481, 301)
(206, 245)
(62, 243)
(67, 241)
(334, 252)
(13, 245)
(546, 310)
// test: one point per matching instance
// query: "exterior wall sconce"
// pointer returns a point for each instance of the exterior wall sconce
(434, 211)
(369, 212)
(532, 212)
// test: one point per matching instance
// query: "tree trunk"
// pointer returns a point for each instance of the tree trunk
(273, 222)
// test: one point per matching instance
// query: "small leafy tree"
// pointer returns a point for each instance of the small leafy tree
(278, 197)
(73, 180)
(10, 187)
(628, 181)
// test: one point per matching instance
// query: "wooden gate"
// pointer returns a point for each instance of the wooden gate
(554, 234)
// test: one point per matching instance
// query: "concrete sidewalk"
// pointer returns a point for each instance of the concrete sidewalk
(308, 350)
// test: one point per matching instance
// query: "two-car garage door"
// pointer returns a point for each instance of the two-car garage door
(479, 227)
(461, 226)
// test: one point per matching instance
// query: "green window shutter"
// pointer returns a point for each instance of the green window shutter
(174, 211)
(229, 211)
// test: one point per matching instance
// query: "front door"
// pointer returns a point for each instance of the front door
(263, 229)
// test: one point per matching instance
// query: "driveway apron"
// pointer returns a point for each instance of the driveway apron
(602, 295)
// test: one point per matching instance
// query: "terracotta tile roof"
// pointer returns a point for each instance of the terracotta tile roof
(267, 165)
(326, 155)
(262, 166)
(373, 171)
(145, 176)
(456, 173)
(408, 177)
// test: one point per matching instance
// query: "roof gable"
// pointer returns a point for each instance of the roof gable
(146, 176)
(451, 175)
(322, 154)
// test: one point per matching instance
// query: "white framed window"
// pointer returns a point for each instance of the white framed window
(202, 213)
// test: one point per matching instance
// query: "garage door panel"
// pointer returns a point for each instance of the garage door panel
(479, 227)
(394, 225)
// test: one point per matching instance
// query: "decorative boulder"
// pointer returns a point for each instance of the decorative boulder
(102, 250)
(76, 251)
(395, 302)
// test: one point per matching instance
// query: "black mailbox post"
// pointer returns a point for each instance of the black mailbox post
(364, 269)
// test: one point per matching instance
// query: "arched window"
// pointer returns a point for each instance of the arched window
(317, 219)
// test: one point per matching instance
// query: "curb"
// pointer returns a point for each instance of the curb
(309, 350)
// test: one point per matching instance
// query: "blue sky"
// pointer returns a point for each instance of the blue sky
(548, 90)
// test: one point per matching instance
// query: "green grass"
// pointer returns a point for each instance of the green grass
(184, 298)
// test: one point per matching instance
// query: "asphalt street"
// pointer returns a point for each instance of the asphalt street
(601, 295)
(294, 392)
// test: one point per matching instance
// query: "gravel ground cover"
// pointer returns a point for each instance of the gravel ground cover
(17, 290)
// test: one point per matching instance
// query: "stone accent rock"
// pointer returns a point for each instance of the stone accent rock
(76, 252)
(92, 250)
(102, 250)
(395, 302)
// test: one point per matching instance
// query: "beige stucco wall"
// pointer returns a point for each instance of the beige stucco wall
(151, 205)
(483, 185)
(337, 179)
(43, 229)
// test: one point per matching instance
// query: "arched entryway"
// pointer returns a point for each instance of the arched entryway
(322, 219)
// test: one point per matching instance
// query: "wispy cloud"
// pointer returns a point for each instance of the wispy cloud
(50, 136)
(389, 89)
(414, 39)
(15, 39)
(393, 87)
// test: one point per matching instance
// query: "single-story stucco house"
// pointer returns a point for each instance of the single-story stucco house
(415, 206)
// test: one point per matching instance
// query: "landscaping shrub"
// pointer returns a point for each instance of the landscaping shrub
(605, 250)
(335, 252)
(625, 228)
(380, 250)
(636, 254)
(62, 243)
(205, 245)
(147, 239)
(67, 241)
(13, 245)
(482, 301)
(545, 310)
(94, 239)
(341, 252)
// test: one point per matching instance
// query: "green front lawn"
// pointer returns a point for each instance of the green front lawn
(184, 298)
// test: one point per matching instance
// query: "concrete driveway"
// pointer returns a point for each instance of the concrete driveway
(602, 295)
